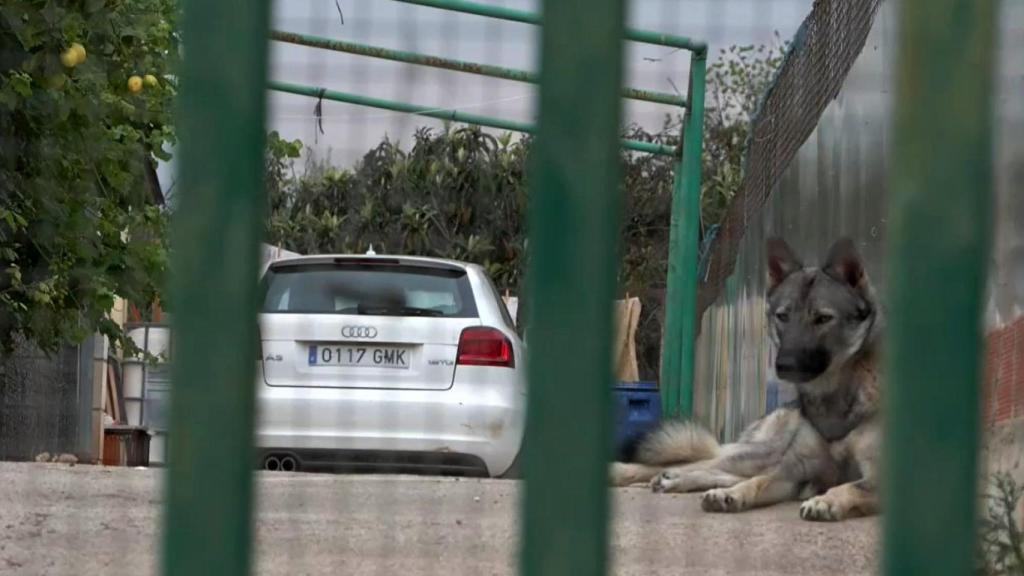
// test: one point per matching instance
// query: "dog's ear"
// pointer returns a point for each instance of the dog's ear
(781, 261)
(844, 263)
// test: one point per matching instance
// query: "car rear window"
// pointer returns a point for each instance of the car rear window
(368, 290)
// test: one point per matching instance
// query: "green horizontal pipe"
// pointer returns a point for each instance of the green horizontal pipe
(510, 14)
(441, 113)
(450, 64)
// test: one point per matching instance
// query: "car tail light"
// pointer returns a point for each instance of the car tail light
(483, 346)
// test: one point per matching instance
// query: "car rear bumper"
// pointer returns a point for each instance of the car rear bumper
(371, 461)
(483, 419)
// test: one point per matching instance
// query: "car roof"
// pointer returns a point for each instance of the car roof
(336, 258)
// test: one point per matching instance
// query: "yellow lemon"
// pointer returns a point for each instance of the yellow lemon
(80, 53)
(135, 84)
(69, 58)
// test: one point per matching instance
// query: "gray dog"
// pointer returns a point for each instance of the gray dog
(823, 448)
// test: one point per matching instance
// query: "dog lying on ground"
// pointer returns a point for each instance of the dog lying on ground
(823, 448)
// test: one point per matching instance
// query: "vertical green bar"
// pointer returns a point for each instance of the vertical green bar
(689, 232)
(939, 236)
(671, 345)
(216, 254)
(574, 221)
(677, 360)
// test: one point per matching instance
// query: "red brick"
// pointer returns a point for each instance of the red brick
(1003, 387)
(1017, 375)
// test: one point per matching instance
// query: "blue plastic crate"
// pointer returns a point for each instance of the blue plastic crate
(771, 399)
(637, 412)
(777, 395)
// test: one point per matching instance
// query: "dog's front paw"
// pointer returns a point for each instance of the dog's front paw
(665, 481)
(821, 509)
(620, 474)
(720, 500)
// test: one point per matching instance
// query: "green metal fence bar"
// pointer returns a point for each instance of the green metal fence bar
(442, 113)
(686, 253)
(450, 64)
(668, 381)
(513, 15)
(677, 360)
(938, 254)
(574, 221)
(217, 231)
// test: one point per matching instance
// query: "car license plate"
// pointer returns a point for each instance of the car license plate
(361, 356)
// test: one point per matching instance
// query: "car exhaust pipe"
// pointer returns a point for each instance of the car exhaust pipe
(272, 464)
(288, 464)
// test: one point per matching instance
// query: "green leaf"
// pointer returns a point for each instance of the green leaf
(21, 82)
(161, 154)
(8, 98)
(52, 14)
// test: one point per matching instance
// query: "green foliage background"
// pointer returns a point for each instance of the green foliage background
(82, 219)
(79, 220)
(461, 193)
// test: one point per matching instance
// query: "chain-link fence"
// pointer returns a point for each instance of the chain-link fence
(45, 407)
(821, 54)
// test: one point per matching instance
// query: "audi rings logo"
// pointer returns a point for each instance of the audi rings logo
(358, 332)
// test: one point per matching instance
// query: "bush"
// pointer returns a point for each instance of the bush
(1001, 542)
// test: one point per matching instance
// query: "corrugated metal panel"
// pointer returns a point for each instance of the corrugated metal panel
(836, 186)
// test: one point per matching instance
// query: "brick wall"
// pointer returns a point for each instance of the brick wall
(1004, 373)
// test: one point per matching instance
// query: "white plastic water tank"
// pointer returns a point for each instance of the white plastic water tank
(158, 449)
(131, 371)
(132, 388)
(158, 342)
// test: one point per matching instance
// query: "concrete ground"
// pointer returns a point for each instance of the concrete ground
(56, 519)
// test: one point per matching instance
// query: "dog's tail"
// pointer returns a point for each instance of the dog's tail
(677, 443)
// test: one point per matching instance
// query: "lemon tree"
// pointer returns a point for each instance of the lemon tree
(81, 213)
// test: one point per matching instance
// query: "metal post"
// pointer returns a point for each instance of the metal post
(939, 236)
(216, 238)
(689, 233)
(671, 344)
(574, 220)
(684, 236)
(88, 446)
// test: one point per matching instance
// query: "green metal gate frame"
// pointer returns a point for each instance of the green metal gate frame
(940, 210)
(574, 226)
(676, 382)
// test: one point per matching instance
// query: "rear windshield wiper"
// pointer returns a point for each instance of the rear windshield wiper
(399, 311)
